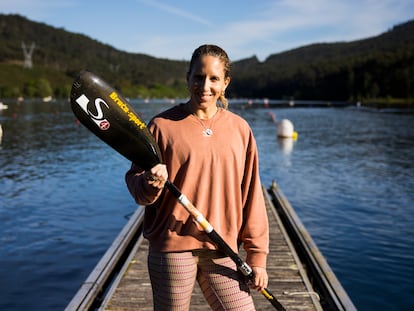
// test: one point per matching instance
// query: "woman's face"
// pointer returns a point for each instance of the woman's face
(206, 80)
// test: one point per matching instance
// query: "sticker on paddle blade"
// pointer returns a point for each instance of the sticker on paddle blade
(98, 117)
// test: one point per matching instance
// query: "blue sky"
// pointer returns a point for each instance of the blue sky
(173, 29)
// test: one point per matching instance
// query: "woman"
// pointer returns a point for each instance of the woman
(210, 154)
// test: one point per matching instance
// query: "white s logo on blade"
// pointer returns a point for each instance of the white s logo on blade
(97, 118)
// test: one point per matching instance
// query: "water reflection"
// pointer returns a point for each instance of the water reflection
(286, 145)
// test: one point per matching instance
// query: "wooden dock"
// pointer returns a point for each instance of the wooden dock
(129, 287)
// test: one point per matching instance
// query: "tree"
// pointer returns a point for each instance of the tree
(43, 88)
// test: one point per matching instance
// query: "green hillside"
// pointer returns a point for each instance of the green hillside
(59, 55)
(378, 68)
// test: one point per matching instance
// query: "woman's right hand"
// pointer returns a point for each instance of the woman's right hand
(157, 176)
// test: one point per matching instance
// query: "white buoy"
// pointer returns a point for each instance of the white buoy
(285, 129)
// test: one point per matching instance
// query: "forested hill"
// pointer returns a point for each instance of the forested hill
(381, 66)
(378, 67)
(59, 55)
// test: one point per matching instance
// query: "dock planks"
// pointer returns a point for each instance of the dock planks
(287, 278)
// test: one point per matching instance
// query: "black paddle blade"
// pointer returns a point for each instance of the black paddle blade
(107, 114)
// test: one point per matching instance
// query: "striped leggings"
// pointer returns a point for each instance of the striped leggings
(173, 278)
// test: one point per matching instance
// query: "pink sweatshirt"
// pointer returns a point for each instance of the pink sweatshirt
(219, 175)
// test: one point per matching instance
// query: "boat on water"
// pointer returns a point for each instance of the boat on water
(47, 99)
(3, 106)
(299, 276)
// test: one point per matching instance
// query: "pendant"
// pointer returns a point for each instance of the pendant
(208, 132)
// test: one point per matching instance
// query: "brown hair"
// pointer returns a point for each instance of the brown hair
(216, 51)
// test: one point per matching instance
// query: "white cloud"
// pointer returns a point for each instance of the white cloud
(289, 24)
(175, 11)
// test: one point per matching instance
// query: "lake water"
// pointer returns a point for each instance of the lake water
(349, 176)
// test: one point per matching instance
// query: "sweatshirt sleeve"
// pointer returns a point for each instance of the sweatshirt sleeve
(255, 231)
(142, 193)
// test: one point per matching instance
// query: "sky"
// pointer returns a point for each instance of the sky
(173, 29)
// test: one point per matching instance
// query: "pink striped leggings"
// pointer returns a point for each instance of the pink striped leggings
(173, 278)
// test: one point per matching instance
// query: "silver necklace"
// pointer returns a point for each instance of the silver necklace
(208, 131)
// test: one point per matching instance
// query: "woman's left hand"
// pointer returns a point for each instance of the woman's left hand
(260, 280)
